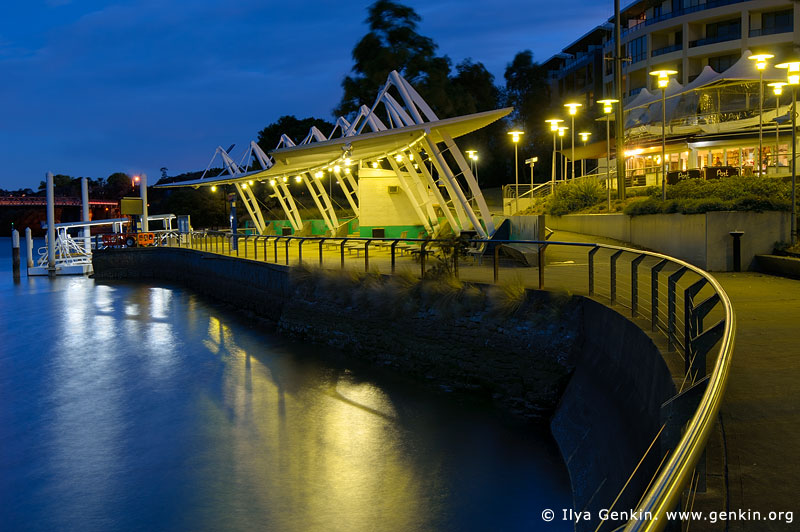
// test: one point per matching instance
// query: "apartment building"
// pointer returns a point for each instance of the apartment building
(701, 40)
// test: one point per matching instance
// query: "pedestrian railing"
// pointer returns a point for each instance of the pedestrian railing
(670, 296)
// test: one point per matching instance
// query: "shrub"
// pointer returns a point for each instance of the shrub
(695, 196)
(575, 195)
(644, 206)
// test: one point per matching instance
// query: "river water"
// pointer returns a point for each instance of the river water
(143, 407)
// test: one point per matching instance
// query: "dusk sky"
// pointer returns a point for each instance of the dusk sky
(90, 88)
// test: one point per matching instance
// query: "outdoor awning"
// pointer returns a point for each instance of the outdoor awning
(365, 147)
(595, 150)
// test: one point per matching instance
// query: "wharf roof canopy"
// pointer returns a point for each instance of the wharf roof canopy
(304, 158)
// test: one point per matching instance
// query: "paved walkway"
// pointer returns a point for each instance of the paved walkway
(757, 445)
(761, 412)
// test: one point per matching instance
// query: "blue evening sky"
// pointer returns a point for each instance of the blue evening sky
(90, 87)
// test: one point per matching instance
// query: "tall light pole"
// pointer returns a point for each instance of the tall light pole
(607, 109)
(584, 135)
(561, 131)
(530, 162)
(473, 157)
(619, 130)
(573, 110)
(761, 64)
(793, 79)
(515, 135)
(554, 128)
(663, 81)
(777, 88)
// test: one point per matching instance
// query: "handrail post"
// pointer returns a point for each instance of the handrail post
(654, 271)
(540, 261)
(344, 241)
(672, 283)
(455, 261)
(496, 262)
(255, 248)
(366, 255)
(422, 259)
(321, 241)
(266, 241)
(592, 253)
(286, 253)
(689, 325)
(635, 284)
(276, 248)
(393, 246)
(613, 266)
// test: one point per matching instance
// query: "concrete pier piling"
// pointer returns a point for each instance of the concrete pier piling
(51, 228)
(15, 253)
(29, 246)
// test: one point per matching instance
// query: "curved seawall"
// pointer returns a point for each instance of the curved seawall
(537, 355)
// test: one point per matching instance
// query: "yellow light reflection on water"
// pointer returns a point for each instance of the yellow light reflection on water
(310, 440)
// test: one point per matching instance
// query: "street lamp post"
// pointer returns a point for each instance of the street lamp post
(663, 81)
(607, 109)
(561, 131)
(573, 110)
(761, 64)
(530, 162)
(793, 79)
(515, 135)
(473, 156)
(554, 128)
(584, 137)
(777, 88)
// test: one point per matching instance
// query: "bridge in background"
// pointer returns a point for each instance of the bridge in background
(60, 201)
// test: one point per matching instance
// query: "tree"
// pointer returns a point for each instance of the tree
(118, 185)
(394, 44)
(528, 92)
(296, 129)
(473, 90)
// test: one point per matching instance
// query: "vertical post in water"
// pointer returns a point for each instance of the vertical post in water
(29, 246)
(51, 227)
(87, 242)
(15, 253)
(143, 194)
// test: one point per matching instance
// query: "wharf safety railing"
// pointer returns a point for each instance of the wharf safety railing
(673, 297)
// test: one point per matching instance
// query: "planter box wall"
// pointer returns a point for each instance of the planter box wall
(700, 239)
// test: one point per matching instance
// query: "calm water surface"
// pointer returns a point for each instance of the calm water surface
(145, 407)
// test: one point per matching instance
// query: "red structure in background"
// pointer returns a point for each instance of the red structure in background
(38, 201)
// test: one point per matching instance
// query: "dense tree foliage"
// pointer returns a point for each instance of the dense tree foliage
(393, 43)
(527, 91)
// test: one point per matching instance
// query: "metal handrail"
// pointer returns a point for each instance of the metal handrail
(664, 493)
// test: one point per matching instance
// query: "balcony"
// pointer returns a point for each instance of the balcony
(714, 40)
(772, 31)
(666, 50)
(711, 4)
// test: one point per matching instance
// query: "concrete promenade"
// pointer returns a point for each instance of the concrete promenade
(761, 412)
(753, 457)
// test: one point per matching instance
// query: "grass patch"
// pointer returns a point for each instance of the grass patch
(403, 294)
